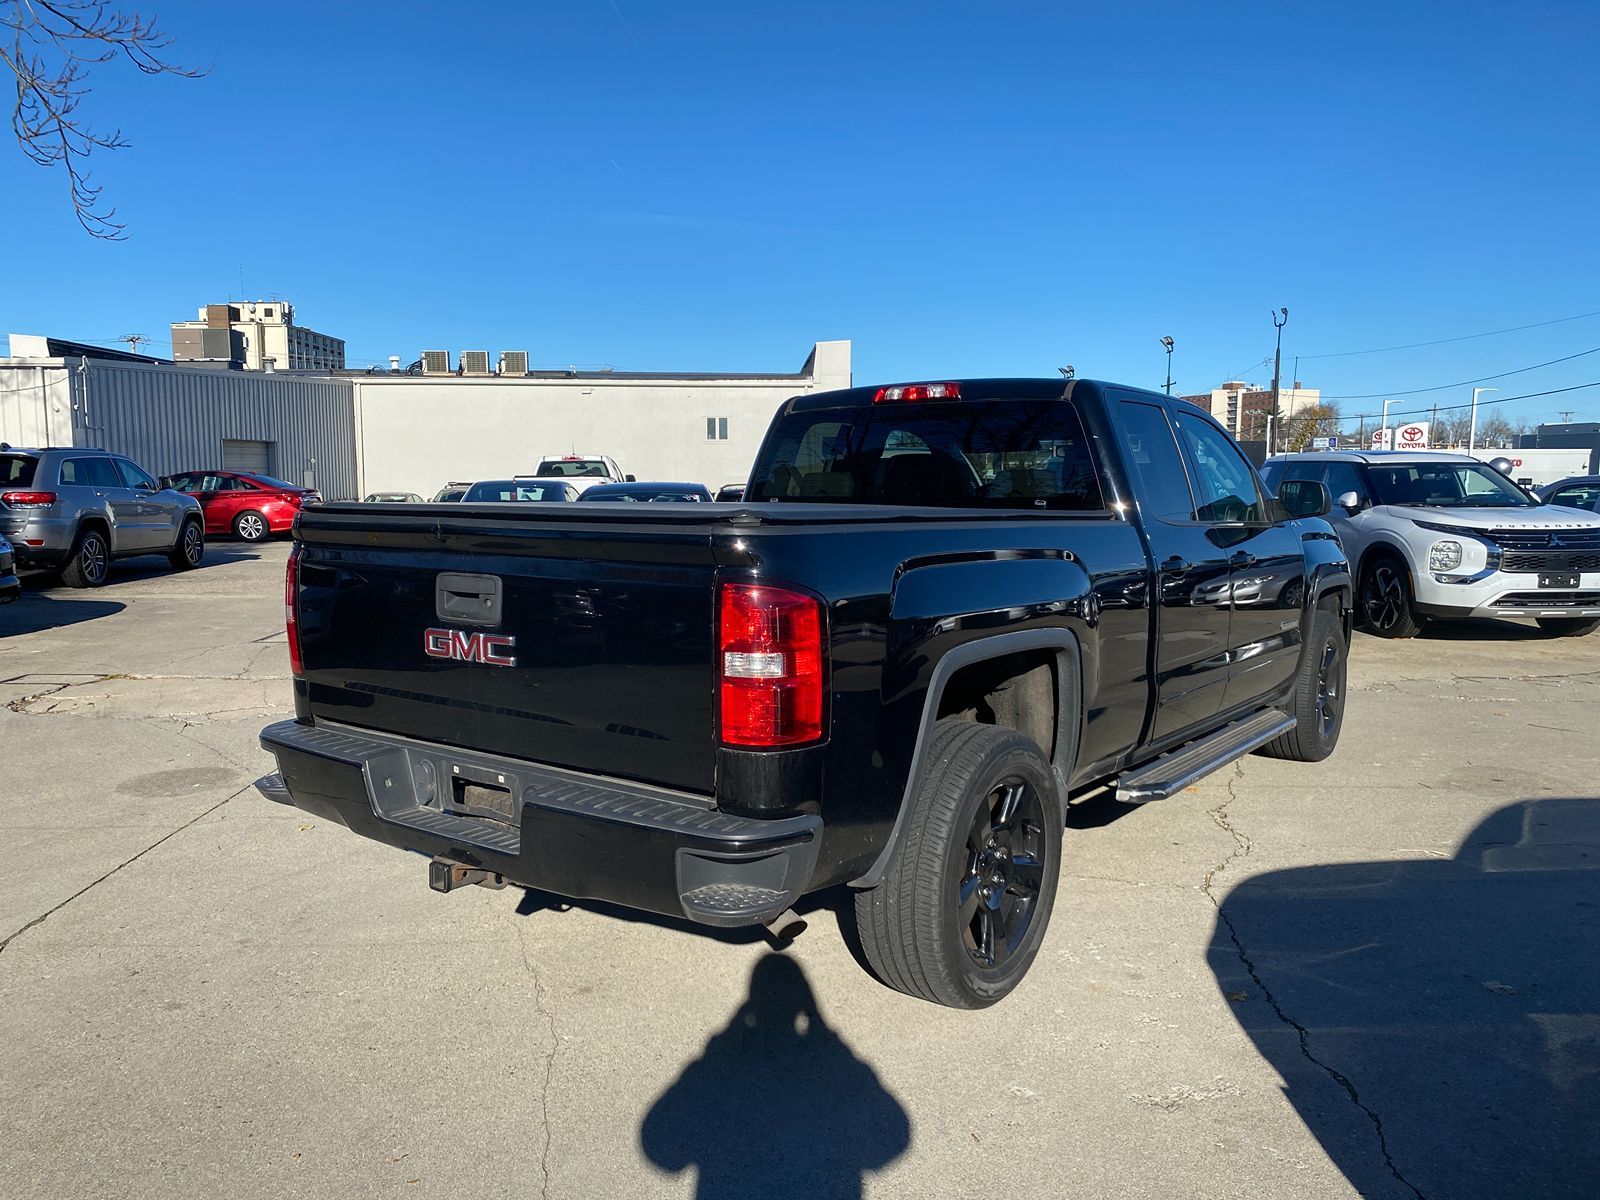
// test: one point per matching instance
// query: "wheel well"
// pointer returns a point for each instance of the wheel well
(97, 523)
(1018, 691)
(1380, 551)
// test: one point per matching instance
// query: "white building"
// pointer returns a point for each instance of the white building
(257, 334)
(352, 434)
(1242, 408)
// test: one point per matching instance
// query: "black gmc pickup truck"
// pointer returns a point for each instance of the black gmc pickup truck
(938, 611)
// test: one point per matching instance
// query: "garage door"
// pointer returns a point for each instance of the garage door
(255, 457)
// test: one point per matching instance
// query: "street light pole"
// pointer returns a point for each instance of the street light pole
(1472, 430)
(1167, 342)
(1277, 354)
(1383, 430)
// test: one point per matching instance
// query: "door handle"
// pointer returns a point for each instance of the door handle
(1243, 559)
(1176, 564)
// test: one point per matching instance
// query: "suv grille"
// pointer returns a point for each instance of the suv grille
(1551, 560)
(1549, 600)
(1543, 539)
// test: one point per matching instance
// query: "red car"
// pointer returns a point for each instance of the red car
(249, 506)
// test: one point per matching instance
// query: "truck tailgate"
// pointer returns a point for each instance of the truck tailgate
(608, 618)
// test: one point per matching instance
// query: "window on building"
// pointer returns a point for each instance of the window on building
(716, 429)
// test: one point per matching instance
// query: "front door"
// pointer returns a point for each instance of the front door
(153, 526)
(1267, 574)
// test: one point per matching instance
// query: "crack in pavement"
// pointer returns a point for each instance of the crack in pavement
(1242, 846)
(47, 914)
(549, 1059)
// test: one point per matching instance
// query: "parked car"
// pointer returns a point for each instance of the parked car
(731, 491)
(451, 492)
(1441, 536)
(249, 506)
(392, 498)
(650, 493)
(77, 510)
(1581, 492)
(522, 488)
(947, 605)
(583, 471)
(10, 585)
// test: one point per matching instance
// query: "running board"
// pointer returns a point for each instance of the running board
(1177, 769)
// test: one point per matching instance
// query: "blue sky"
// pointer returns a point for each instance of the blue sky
(961, 189)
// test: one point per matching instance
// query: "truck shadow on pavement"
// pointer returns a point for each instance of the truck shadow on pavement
(33, 612)
(777, 1105)
(1437, 1023)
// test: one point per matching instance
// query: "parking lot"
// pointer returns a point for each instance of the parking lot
(1371, 976)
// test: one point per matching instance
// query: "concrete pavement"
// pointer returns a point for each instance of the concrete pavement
(1369, 976)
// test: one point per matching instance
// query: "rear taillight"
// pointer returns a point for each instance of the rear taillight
(28, 499)
(769, 642)
(291, 610)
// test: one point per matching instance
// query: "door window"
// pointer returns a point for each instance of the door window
(1584, 495)
(1343, 477)
(92, 472)
(1157, 465)
(133, 477)
(1224, 484)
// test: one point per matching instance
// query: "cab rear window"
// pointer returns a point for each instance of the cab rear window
(16, 470)
(1030, 454)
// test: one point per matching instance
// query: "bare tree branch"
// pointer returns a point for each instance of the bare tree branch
(49, 47)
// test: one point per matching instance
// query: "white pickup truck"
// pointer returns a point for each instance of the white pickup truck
(582, 471)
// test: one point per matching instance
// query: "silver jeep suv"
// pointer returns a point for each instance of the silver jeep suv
(77, 509)
(1436, 535)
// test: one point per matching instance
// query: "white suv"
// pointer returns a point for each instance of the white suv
(1435, 535)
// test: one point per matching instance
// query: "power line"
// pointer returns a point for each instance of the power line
(1466, 337)
(1464, 382)
(1481, 403)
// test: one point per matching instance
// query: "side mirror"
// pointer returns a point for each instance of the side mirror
(1304, 498)
(630, 479)
(1350, 502)
(142, 486)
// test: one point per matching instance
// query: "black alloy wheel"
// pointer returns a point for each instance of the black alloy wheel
(998, 892)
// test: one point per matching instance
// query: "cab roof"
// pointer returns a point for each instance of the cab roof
(1397, 457)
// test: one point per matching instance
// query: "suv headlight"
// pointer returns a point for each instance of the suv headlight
(1444, 555)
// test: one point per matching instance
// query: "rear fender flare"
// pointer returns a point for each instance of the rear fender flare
(1069, 719)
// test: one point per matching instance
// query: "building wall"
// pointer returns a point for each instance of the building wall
(176, 418)
(416, 433)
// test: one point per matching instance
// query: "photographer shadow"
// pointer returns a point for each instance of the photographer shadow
(777, 1105)
(1437, 1023)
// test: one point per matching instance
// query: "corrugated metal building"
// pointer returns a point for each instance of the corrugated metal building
(168, 418)
(349, 435)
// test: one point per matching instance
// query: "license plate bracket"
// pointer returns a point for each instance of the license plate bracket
(1559, 580)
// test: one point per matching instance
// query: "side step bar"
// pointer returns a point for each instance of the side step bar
(1177, 769)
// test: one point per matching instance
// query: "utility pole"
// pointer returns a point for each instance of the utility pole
(1167, 342)
(133, 340)
(1566, 415)
(1277, 359)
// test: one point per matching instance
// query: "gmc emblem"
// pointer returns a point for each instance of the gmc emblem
(487, 648)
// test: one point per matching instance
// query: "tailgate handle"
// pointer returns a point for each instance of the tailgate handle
(467, 599)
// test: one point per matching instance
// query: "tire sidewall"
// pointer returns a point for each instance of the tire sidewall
(241, 523)
(1014, 758)
(1369, 576)
(192, 526)
(76, 565)
(1332, 635)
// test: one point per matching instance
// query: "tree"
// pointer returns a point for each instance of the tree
(1310, 423)
(51, 47)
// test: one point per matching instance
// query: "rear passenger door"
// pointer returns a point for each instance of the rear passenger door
(1191, 576)
(98, 476)
(1267, 581)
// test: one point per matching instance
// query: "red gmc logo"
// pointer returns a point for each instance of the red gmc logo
(487, 648)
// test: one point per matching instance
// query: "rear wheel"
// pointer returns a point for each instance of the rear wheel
(90, 562)
(250, 526)
(1568, 626)
(191, 547)
(1318, 702)
(966, 899)
(1388, 608)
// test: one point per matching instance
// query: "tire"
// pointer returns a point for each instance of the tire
(1388, 607)
(191, 547)
(1319, 691)
(1568, 626)
(251, 526)
(954, 860)
(90, 563)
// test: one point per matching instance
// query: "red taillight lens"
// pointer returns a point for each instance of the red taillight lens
(28, 499)
(769, 641)
(906, 393)
(291, 610)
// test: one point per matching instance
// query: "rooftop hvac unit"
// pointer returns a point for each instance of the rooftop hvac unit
(513, 362)
(474, 362)
(436, 362)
